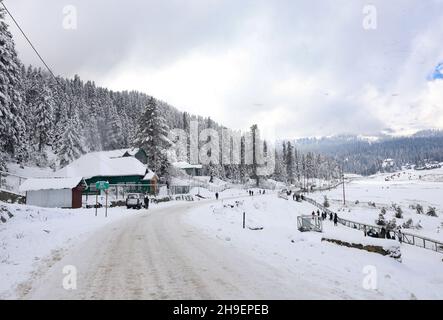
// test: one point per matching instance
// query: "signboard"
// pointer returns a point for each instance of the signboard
(102, 185)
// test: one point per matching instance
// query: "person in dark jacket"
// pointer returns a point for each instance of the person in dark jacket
(383, 233)
(330, 216)
(216, 195)
(335, 219)
(146, 201)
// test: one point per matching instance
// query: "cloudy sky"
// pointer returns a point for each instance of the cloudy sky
(295, 67)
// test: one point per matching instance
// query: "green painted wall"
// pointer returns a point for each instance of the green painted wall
(118, 180)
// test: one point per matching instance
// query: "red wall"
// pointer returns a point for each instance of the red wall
(77, 197)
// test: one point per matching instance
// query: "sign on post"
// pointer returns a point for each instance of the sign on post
(102, 185)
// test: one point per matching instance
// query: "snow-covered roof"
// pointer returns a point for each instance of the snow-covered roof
(34, 184)
(150, 175)
(185, 165)
(103, 164)
(132, 151)
(118, 153)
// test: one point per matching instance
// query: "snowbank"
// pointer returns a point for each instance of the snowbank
(335, 270)
(35, 238)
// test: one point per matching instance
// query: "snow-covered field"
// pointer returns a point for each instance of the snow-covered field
(35, 238)
(406, 188)
(339, 271)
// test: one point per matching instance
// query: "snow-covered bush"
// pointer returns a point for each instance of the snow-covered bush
(432, 211)
(357, 202)
(408, 224)
(398, 211)
(391, 225)
(381, 220)
(383, 210)
(419, 208)
(371, 204)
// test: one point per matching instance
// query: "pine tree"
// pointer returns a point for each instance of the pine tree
(43, 116)
(152, 137)
(114, 136)
(12, 126)
(71, 144)
(290, 162)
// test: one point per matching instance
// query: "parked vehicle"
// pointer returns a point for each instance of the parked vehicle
(134, 200)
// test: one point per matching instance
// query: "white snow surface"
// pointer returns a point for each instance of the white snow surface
(36, 238)
(332, 269)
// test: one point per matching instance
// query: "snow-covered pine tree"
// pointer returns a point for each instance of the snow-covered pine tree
(12, 126)
(152, 136)
(43, 115)
(290, 162)
(71, 146)
(114, 130)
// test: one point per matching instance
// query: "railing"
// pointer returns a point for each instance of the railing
(404, 237)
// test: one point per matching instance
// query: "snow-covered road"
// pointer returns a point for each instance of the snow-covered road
(154, 255)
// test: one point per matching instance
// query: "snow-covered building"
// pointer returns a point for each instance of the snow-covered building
(190, 169)
(151, 178)
(118, 167)
(54, 192)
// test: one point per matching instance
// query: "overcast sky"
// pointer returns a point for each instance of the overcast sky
(297, 68)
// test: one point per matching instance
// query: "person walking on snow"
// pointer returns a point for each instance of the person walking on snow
(335, 219)
(146, 201)
(216, 196)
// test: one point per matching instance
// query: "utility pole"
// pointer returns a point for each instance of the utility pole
(343, 180)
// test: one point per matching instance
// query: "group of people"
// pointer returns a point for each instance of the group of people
(297, 197)
(384, 234)
(251, 192)
(324, 215)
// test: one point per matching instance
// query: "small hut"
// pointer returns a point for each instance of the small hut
(151, 179)
(54, 192)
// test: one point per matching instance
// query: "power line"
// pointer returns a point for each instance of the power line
(29, 41)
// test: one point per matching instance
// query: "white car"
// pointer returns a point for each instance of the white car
(133, 200)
